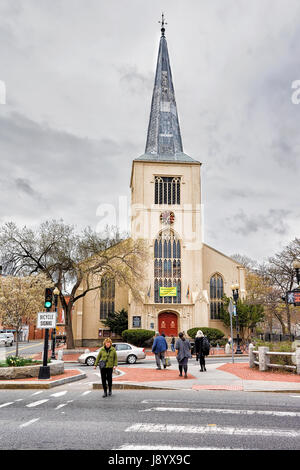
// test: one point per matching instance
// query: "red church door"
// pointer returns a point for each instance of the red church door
(167, 323)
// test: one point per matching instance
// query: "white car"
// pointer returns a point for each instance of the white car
(6, 340)
(125, 352)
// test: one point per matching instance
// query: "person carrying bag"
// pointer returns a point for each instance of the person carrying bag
(108, 361)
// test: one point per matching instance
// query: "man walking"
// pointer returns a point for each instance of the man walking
(159, 348)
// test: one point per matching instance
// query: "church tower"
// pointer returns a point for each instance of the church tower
(165, 208)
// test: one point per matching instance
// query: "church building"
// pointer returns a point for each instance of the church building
(185, 279)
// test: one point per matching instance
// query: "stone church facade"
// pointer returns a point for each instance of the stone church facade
(166, 212)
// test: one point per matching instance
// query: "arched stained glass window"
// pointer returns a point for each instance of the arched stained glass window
(107, 298)
(167, 268)
(216, 296)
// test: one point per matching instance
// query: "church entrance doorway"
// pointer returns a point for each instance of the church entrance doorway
(168, 324)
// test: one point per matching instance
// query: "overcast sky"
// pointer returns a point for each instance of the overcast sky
(79, 77)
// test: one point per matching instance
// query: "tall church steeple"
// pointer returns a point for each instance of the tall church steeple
(164, 138)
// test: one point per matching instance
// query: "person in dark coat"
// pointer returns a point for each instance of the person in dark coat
(159, 348)
(199, 349)
(183, 348)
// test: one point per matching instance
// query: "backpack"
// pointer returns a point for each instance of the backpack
(205, 346)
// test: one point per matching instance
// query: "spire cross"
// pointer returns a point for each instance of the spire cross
(162, 22)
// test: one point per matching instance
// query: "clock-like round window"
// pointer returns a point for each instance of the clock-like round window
(167, 217)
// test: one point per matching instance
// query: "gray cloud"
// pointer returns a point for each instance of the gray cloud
(79, 80)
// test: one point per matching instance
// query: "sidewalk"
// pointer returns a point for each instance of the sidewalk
(221, 376)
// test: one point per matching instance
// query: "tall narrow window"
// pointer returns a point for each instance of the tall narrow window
(167, 190)
(216, 296)
(167, 266)
(107, 298)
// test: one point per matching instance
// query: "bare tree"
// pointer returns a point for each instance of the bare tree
(20, 300)
(71, 260)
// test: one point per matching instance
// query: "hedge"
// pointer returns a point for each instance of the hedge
(137, 337)
(213, 334)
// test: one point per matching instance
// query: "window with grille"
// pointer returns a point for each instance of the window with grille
(216, 296)
(167, 266)
(167, 190)
(107, 298)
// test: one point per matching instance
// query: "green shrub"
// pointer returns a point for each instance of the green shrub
(137, 337)
(16, 361)
(214, 335)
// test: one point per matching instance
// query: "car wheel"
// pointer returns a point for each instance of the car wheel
(131, 359)
(90, 361)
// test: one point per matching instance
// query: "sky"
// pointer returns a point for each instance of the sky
(79, 77)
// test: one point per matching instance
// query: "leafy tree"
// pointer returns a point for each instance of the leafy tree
(73, 262)
(117, 321)
(21, 298)
(249, 314)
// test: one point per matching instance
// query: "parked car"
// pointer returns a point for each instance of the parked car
(125, 352)
(6, 340)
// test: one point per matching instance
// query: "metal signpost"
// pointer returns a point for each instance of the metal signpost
(231, 310)
(46, 320)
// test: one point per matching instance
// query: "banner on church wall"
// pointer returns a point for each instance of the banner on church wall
(168, 291)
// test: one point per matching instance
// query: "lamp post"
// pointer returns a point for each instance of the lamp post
(296, 266)
(235, 295)
(56, 294)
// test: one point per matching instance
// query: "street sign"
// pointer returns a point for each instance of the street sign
(230, 307)
(293, 297)
(46, 320)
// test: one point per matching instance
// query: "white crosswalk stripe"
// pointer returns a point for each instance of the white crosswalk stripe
(223, 411)
(210, 429)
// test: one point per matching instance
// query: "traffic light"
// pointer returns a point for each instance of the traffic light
(48, 298)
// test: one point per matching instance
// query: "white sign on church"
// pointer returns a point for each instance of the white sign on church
(46, 320)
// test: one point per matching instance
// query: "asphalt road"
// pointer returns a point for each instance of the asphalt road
(75, 416)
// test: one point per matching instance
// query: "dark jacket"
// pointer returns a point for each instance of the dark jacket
(160, 345)
(198, 345)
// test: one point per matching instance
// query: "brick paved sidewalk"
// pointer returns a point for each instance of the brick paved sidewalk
(244, 372)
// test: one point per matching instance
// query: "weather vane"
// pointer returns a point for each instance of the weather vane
(162, 22)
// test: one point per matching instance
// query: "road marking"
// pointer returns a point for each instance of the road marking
(20, 399)
(37, 403)
(162, 447)
(63, 404)
(59, 394)
(6, 404)
(86, 393)
(223, 411)
(37, 393)
(230, 430)
(29, 422)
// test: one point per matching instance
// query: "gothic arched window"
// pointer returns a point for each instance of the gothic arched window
(216, 296)
(167, 266)
(107, 298)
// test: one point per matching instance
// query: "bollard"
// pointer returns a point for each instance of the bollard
(298, 360)
(264, 359)
(251, 356)
(60, 355)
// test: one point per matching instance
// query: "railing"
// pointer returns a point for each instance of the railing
(263, 354)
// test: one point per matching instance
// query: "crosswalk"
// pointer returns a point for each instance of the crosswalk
(232, 435)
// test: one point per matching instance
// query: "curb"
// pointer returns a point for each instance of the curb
(132, 386)
(39, 385)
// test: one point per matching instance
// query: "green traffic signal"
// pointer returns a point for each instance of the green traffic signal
(48, 304)
(48, 298)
